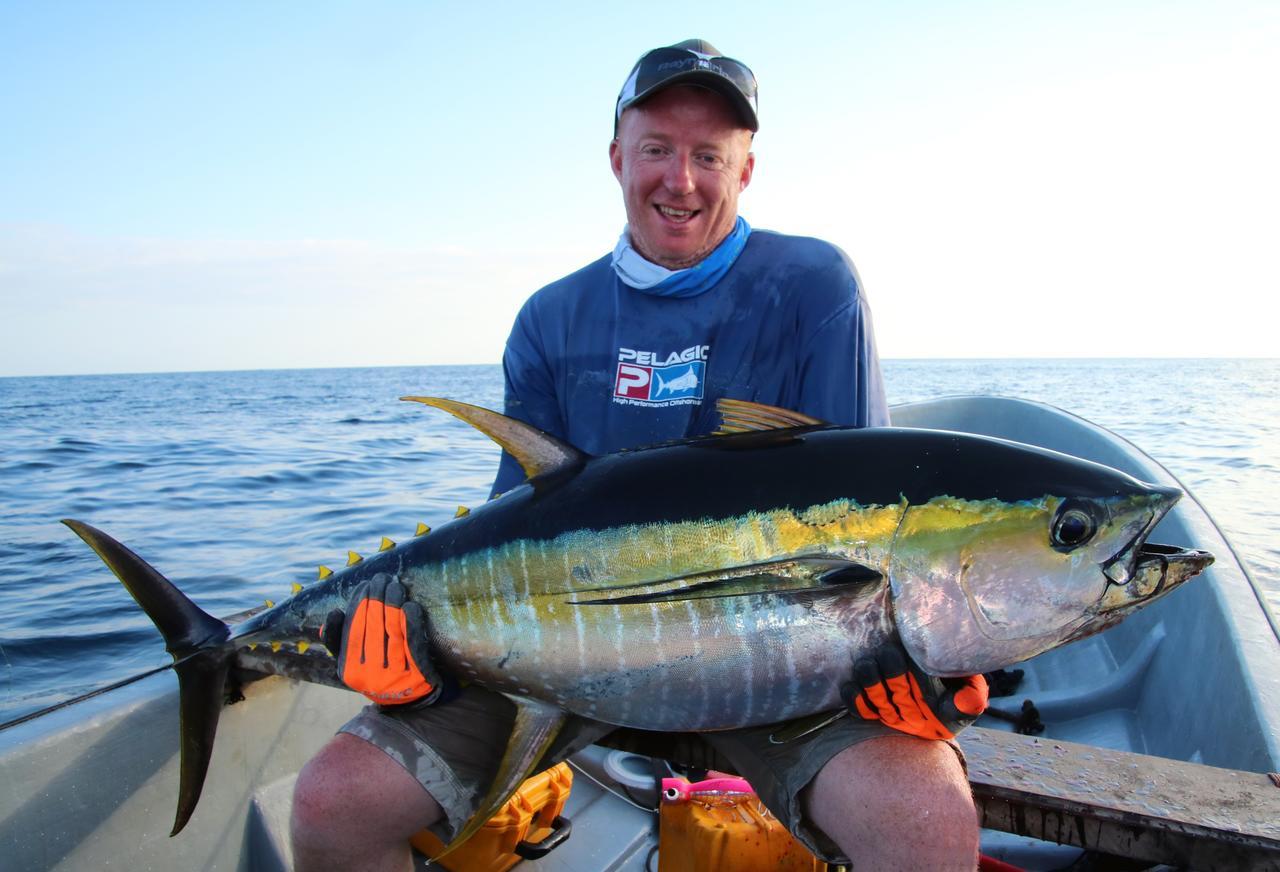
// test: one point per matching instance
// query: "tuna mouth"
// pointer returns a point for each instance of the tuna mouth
(1157, 570)
(1121, 569)
(680, 216)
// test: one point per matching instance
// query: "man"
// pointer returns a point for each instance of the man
(631, 350)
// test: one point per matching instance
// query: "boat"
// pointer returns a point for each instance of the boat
(1193, 678)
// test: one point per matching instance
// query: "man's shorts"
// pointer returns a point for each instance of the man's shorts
(453, 751)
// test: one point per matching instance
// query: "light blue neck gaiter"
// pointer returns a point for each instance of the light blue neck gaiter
(650, 278)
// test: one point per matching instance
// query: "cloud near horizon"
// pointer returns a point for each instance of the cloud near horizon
(150, 304)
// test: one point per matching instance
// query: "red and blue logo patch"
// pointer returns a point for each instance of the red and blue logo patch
(645, 378)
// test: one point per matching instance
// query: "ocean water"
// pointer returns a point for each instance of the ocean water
(237, 484)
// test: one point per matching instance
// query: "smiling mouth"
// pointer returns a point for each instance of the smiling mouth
(679, 216)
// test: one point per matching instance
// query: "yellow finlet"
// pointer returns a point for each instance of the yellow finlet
(462, 510)
(253, 646)
(353, 558)
(275, 646)
(422, 530)
(270, 603)
(325, 572)
(303, 646)
(386, 545)
(295, 588)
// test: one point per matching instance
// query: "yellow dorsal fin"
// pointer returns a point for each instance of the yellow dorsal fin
(535, 451)
(325, 572)
(462, 510)
(353, 558)
(422, 530)
(295, 588)
(386, 545)
(744, 416)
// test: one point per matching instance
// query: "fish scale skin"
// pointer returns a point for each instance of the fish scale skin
(675, 651)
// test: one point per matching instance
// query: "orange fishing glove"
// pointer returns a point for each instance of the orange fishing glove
(381, 645)
(888, 688)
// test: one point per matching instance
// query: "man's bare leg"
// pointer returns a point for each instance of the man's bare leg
(895, 802)
(355, 808)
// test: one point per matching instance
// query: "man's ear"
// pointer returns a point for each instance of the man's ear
(615, 158)
(748, 167)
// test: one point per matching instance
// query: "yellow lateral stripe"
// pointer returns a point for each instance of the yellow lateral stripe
(671, 553)
(386, 545)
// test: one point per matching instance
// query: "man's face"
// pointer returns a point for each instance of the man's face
(682, 157)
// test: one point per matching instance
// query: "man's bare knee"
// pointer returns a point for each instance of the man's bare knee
(353, 801)
(897, 802)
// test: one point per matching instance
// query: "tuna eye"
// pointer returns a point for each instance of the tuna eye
(1073, 527)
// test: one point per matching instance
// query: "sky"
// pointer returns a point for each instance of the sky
(248, 185)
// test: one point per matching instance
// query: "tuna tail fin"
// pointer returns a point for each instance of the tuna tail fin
(195, 639)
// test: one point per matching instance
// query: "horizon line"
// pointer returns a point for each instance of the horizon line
(965, 359)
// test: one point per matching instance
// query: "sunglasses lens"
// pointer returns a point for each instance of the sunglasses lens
(663, 63)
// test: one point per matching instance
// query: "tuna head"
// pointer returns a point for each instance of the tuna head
(982, 584)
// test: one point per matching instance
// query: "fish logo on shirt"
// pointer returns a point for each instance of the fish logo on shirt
(680, 384)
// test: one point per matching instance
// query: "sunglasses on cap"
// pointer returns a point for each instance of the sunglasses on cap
(664, 67)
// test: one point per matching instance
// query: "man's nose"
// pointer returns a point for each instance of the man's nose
(679, 178)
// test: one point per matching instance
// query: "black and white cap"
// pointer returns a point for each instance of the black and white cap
(692, 62)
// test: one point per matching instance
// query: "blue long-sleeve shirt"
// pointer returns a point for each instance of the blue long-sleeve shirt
(606, 367)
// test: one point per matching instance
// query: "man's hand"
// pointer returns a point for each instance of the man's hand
(381, 645)
(888, 688)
